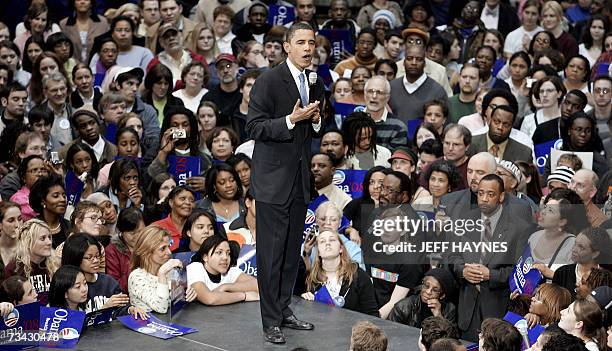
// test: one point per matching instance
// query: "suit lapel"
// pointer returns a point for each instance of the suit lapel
(290, 87)
(500, 231)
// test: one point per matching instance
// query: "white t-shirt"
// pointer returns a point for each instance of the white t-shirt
(591, 346)
(191, 103)
(514, 40)
(197, 273)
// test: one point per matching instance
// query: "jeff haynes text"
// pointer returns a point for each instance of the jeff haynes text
(441, 247)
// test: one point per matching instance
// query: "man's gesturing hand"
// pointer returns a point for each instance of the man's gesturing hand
(304, 113)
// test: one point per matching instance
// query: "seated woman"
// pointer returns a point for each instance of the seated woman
(48, 198)
(83, 250)
(10, 220)
(551, 247)
(242, 164)
(180, 204)
(148, 284)
(592, 246)
(213, 275)
(17, 291)
(34, 259)
(348, 285)
(428, 300)
(547, 303)
(585, 320)
(199, 226)
(124, 186)
(29, 170)
(442, 178)
(222, 143)
(68, 289)
(119, 251)
(128, 146)
(243, 229)
(180, 119)
(81, 160)
(224, 193)
(157, 192)
(354, 210)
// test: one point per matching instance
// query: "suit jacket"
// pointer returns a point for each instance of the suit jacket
(508, 20)
(514, 151)
(278, 151)
(494, 294)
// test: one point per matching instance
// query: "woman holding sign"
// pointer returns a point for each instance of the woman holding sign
(148, 284)
(348, 285)
(180, 202)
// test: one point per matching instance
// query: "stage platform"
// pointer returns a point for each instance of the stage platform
(238, 327)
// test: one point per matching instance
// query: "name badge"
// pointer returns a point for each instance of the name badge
(64, 124)
(384, 275)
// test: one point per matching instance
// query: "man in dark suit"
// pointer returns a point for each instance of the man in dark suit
(497, 140)
(500, 16)
(483, 272)
(282, 121)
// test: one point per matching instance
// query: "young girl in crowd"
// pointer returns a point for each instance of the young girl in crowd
(199, 226)
(157, 192)
(82, 161)
(34, 258)
(48, 198)
(68, 289)
(224, 191)
(124, 185)
(10, 220)
(435, 112)
(242, 165)
(584, 319)
(208, 114)
(148, 283)
(214, 277)
(17, 290)
(348, 285)
(119, 252)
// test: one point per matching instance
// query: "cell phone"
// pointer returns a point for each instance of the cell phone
(55, 158)
(179, 134)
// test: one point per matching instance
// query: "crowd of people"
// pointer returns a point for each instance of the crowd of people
(491, 110)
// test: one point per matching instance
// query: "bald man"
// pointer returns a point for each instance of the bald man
(584, 183)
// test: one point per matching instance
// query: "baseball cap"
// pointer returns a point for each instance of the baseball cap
(416, 31)
(165, 28)
(225, 57)
(603, 296)
(404, 153)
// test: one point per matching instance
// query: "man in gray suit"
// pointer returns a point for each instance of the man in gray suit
(497, 140)
(483, 271)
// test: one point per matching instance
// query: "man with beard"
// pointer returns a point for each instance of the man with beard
(255, 29)
(483, 273)
(411, 92)
(226, 94)
(322, 168)
(364, 53)
(390, 131)
(485, 59)
(171, 13)
(497, 140)
(332, 142)
(463, 104)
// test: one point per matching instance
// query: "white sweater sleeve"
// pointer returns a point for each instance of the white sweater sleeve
(146, 292)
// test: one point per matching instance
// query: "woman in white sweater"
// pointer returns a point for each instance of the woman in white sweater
(148, 284)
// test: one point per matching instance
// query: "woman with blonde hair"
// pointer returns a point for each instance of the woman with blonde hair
(148, 284)
(553, 21)
(348, 285)
(546, 304)
(203, 42)
(34, 258)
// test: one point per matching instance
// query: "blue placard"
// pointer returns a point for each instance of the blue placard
(67, 324)
(18, 328)
(525, 278)
(247, 260)
(184, 257)
(310, 216)
(350, 181)
(322, 295)
(412, 125)
(74, 188)
(183, 168)
(110, 133)
(532, 333)
(100, 317)
(542, 153)
(344, 110)
(324, 72)
(155, 327)
(178, 290)
(341, 40)
(279, 15)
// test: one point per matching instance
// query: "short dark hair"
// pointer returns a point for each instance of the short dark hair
(11, 87)
(445, 344)
(447, 167)
(197, 213)
(40, 190)
(465, 133)
(582, 96)
(129, 219)
(41, 113)
(120, 18)
(432, 147)
(499, 335)
(505, 108)
(252, 74)
(393, 33)
(58, 38)
(598, 78)
(294, 28)
(405, 182)
(119, 168)
(217, 131)
(211, 243)
(493, 93)
(494, 178)
(11, 289)
(587, 65)
(75, 247)
(387, 62)
(211, 180)
(367, 30)
(565, 342)
(436, 102)
(239, 157)
(4, 67)
(434, 328)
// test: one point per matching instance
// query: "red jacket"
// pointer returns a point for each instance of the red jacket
(118, 262)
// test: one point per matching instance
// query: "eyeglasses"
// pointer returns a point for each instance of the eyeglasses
(38, 171)
(603, 91)
(581, 130)
(388, 190)
(413, 41)
(542, 40)
(365, 42)
(109, 51)
(92, 258)
(470, 8)
(376, 92)
(224, 67)
(96, 219)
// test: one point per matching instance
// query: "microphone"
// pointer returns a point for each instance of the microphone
(312, 78)
(522, 327)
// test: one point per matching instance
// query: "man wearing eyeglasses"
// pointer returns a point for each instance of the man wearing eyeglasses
(390, 131)
(601, 89)
(584, 183)
(226, 95)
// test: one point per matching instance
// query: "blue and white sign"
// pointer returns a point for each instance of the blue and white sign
(67, 324)
(350, 181)
(74, 188)
(155, 327)
(341, 40)
(518, 321)
(279, 15)
(525, 278)
(18, 330)
(542, 152)
(247, 260)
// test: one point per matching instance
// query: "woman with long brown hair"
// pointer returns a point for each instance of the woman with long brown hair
(584, 319)
(546, 304)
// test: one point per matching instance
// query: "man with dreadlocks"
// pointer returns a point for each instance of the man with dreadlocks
(359, 132)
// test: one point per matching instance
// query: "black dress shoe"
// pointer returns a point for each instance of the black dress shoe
(274, 335)
(293, 323)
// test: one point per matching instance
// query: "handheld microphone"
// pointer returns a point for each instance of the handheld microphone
(312, 78)
(522, 327)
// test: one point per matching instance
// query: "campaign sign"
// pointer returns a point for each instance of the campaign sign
(344, 110)
(67, 324)
(350, 181)
(155, 327)
(532, 333)
(99, 317)
(412, 125)
(74, 188)
(184, 257)
(542, 152)
(310, 216)
(110, 133)
(525, 278)
(279, 15)
(324, 73)
(19, 329)
(247, 260)
(183, 168)
(322, 295)
(341, 40)
(178, 290)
